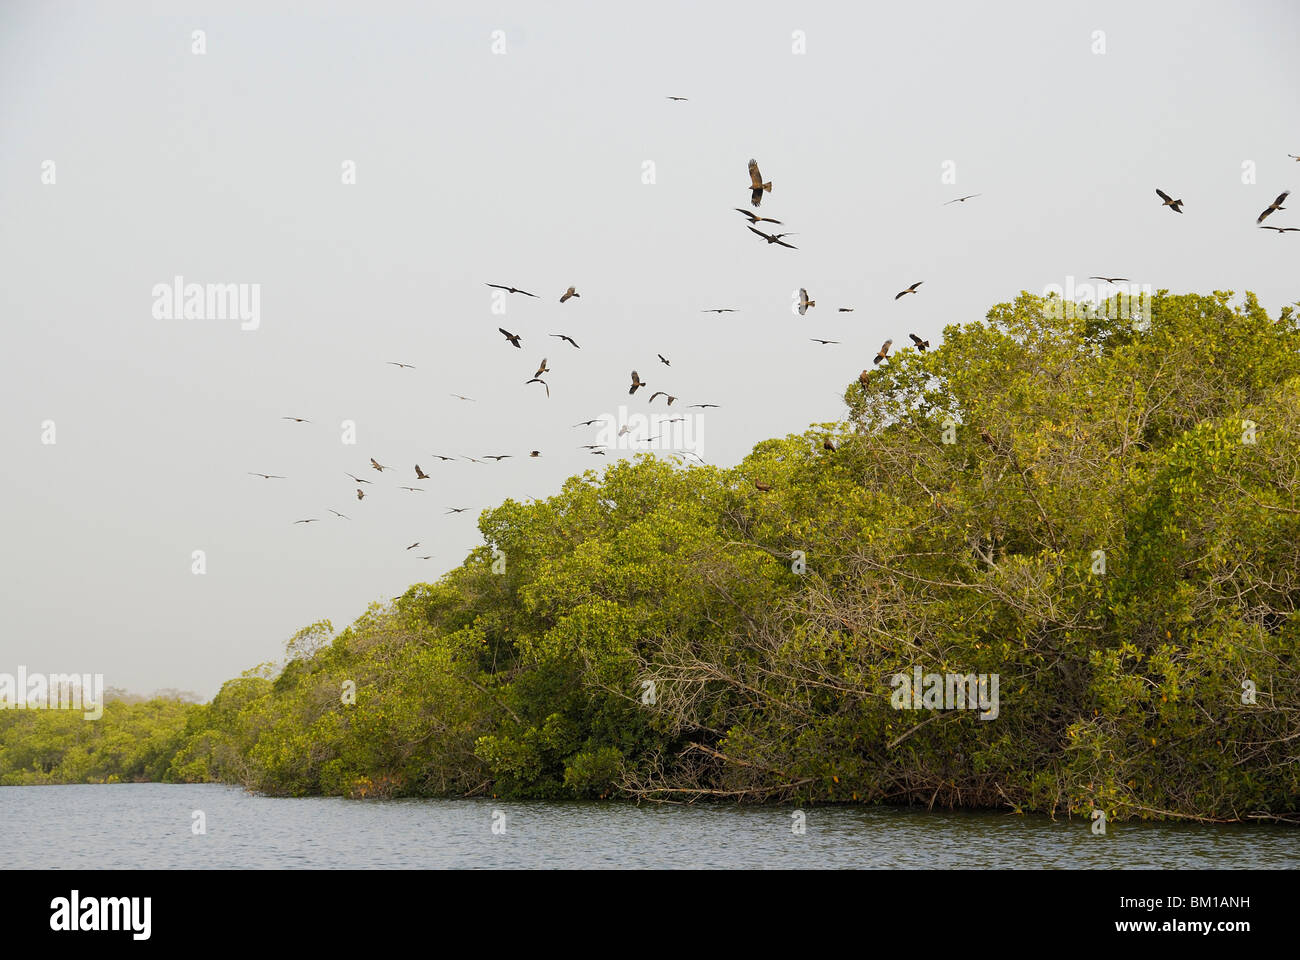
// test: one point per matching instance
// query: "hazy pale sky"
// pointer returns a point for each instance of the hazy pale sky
(528, 168)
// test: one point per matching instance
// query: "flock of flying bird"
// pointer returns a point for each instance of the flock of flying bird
(757, 187)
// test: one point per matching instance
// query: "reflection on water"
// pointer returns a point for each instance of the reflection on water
(149, 825)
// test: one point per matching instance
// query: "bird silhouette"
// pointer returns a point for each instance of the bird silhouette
(663, 359)
(420, 474)
(394, 363)
(774, 237)
(498, 286)
(804, 302)
(566, 338)
(1111, 279)
(360, 494)
(357, 479)
(266, 476)
(542, 368)
(569, 293)
(1175, 205)
(296, 419)
(543, 383)
(755, 218)
(884, 351)
(311, 520)
(822, 342)
(921, 345)
(637, 383)
(661, 393)
(911, 289)
(376, 465)
(1280, 230)
(718, 310)
(969, 196)
(1275, 205)
(756, 184)
(512, 337)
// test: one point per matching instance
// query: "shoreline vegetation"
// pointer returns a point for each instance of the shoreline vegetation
(1101, 512)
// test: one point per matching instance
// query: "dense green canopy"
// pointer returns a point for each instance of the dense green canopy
(1104, 513)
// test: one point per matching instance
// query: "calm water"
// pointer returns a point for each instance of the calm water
(149, 825)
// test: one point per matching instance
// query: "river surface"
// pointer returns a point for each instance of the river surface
(150, 825)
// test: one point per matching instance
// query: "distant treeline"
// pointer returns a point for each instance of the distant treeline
(1103, 512)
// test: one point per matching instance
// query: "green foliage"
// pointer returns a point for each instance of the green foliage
(957, 526)
(130, 742)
